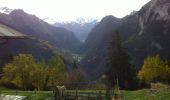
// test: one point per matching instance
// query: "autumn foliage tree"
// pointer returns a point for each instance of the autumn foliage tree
(56, 71)
(154, 70)
(18, 71)
(26, 73)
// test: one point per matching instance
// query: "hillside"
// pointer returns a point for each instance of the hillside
(33, 26)
(153, 36)
(156, 92)
(39, 48)
(144, 33)
(94, 50)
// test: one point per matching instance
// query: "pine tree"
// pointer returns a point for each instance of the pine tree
(119, 64)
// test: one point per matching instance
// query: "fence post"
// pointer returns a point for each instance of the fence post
(76, 94)
(88, 98)
(107, 95)
(99, 96)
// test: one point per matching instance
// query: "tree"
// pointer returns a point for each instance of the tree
(38, 76)
(119, 64)
(57, 72)
(75, 77)
(18, 71)
(154, 70)
(26, 73)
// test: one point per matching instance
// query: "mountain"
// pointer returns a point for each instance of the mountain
(81, 28)
(153, 36)
(33, 26)
(11, 46)
(40, 49)
(144, 33)
(95, 47)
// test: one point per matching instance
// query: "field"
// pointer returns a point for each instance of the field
(158, 93)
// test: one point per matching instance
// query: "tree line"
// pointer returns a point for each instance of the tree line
(25, 73)
(120, 67)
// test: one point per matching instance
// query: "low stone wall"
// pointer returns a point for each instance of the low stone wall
(12, 97)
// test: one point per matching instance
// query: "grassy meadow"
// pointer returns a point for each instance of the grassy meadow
(156, 92)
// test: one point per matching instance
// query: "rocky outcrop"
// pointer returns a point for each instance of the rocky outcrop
(155, 10)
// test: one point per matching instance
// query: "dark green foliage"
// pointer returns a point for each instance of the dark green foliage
(119, 64)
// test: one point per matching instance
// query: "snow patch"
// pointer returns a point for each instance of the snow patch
(5, 10)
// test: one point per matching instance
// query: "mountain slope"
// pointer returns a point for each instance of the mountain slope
(33, 26)
(95, 47)
(39, 48)
(17, 45)
(153, 36)
(144, 33)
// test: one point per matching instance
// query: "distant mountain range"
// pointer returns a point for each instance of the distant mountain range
(44, 40)
(145, 32)
(33, 26)
(81, 28)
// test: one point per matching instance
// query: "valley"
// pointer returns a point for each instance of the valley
(129, 54)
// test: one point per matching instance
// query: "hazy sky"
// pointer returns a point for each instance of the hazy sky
(66, 10)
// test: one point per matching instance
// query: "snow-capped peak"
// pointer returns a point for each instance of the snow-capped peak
(5, 10)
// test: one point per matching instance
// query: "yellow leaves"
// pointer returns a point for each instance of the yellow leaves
(25, 72)
(153, 69)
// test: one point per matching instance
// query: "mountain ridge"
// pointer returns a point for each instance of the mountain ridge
(144, 33)
(33, 26)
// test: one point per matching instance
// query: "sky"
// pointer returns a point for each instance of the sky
(70, 10)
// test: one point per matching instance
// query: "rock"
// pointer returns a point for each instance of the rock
(12, 97)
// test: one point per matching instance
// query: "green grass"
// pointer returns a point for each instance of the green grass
(147, 94)
(155, 93)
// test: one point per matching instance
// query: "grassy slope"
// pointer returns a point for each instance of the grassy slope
(157, 91)
(147, 94)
